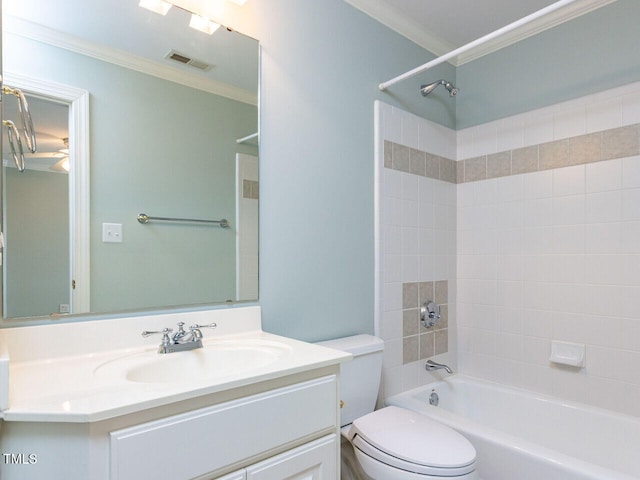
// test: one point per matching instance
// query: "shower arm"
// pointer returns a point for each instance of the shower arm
(486, 38)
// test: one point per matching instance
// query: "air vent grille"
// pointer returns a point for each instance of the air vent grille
(186, 60)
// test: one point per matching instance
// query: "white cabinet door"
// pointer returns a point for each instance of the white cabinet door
(313, 461)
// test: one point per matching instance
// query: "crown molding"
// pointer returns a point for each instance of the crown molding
(39, 33)
(392, 18)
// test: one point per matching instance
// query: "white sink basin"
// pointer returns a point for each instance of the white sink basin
(214, 360)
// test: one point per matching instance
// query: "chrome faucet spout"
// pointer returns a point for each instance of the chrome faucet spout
(182, 340)
(431, 365)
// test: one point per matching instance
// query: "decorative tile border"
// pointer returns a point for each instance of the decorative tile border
(410, 160)
(593, 147)
(419, 342)
(250, 189)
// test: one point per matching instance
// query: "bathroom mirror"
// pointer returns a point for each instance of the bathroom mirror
(171, 132)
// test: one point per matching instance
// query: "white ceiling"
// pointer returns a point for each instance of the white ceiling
(441, 26)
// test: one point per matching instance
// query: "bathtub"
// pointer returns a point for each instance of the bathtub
(522, 435)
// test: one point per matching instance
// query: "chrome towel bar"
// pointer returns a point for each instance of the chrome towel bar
(144, 219)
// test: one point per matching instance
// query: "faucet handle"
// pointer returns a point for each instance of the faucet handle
(211, 325)
(164, 332)
(195, 329)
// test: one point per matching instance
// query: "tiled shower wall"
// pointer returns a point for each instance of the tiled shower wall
(539, 240)
(549, 249)
(416, 245)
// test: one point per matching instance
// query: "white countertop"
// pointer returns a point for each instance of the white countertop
(89, 387)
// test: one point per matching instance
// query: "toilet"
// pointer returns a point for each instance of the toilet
(391, 443)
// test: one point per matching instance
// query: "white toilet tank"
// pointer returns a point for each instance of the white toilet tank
(359, 378)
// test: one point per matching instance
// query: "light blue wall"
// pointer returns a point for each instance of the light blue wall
(591, 53)
(322, 62)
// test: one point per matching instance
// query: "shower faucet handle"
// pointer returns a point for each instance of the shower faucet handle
(429, 313)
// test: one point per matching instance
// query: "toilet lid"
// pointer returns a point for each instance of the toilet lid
(413, 442)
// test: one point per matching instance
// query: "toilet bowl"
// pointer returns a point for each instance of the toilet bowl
(392, 443)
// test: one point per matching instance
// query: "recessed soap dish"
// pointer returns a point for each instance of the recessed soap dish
(567, 353)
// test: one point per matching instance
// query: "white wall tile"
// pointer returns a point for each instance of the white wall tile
(391, 183)
(605, 238)
(631, 172)
(538, 127)
(569, 210)
(510, 133)
(630, 108)
(410, 130)
(569, 121)
(603, 207)
(604, 176)
(631, 204)
(569, 180)
(538, 184)
(604, 115)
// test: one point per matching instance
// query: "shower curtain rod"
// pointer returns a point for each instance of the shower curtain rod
(490, 36)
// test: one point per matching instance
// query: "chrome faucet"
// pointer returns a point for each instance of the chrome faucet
(182, 340)
(431, 365)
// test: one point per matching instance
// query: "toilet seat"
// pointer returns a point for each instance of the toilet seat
(412, 442)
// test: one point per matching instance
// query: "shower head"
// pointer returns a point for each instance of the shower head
(430, 87)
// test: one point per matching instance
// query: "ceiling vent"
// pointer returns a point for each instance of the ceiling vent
(192, 62)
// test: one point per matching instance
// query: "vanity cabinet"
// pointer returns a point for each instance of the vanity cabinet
(286, 432)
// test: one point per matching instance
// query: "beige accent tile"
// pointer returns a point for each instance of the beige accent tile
(427, 345)
(460, 172)
(433, 166)
(554, 154)
(418, 162)
(499, 164)
(447, 170)
(441, 341)
(410, 349)
(621, 142)
(444, 318)
(441, 292)
(424, 329)
(410, 295)
(524, 160)
(401, 158)
(585, 149)
(410, 322)
(426, 292)
(388, 154)
(475, 169)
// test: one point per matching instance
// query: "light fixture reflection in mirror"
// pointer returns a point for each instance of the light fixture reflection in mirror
(157, 6)
(138, 164)
(203, 24)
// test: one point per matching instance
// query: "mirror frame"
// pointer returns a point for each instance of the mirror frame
(79, 186)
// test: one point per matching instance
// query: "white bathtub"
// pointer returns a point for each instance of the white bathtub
(522, 435)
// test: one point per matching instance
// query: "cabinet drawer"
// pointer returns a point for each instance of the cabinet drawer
(195, 443)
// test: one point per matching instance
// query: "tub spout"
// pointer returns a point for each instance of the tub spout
(431, 365)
